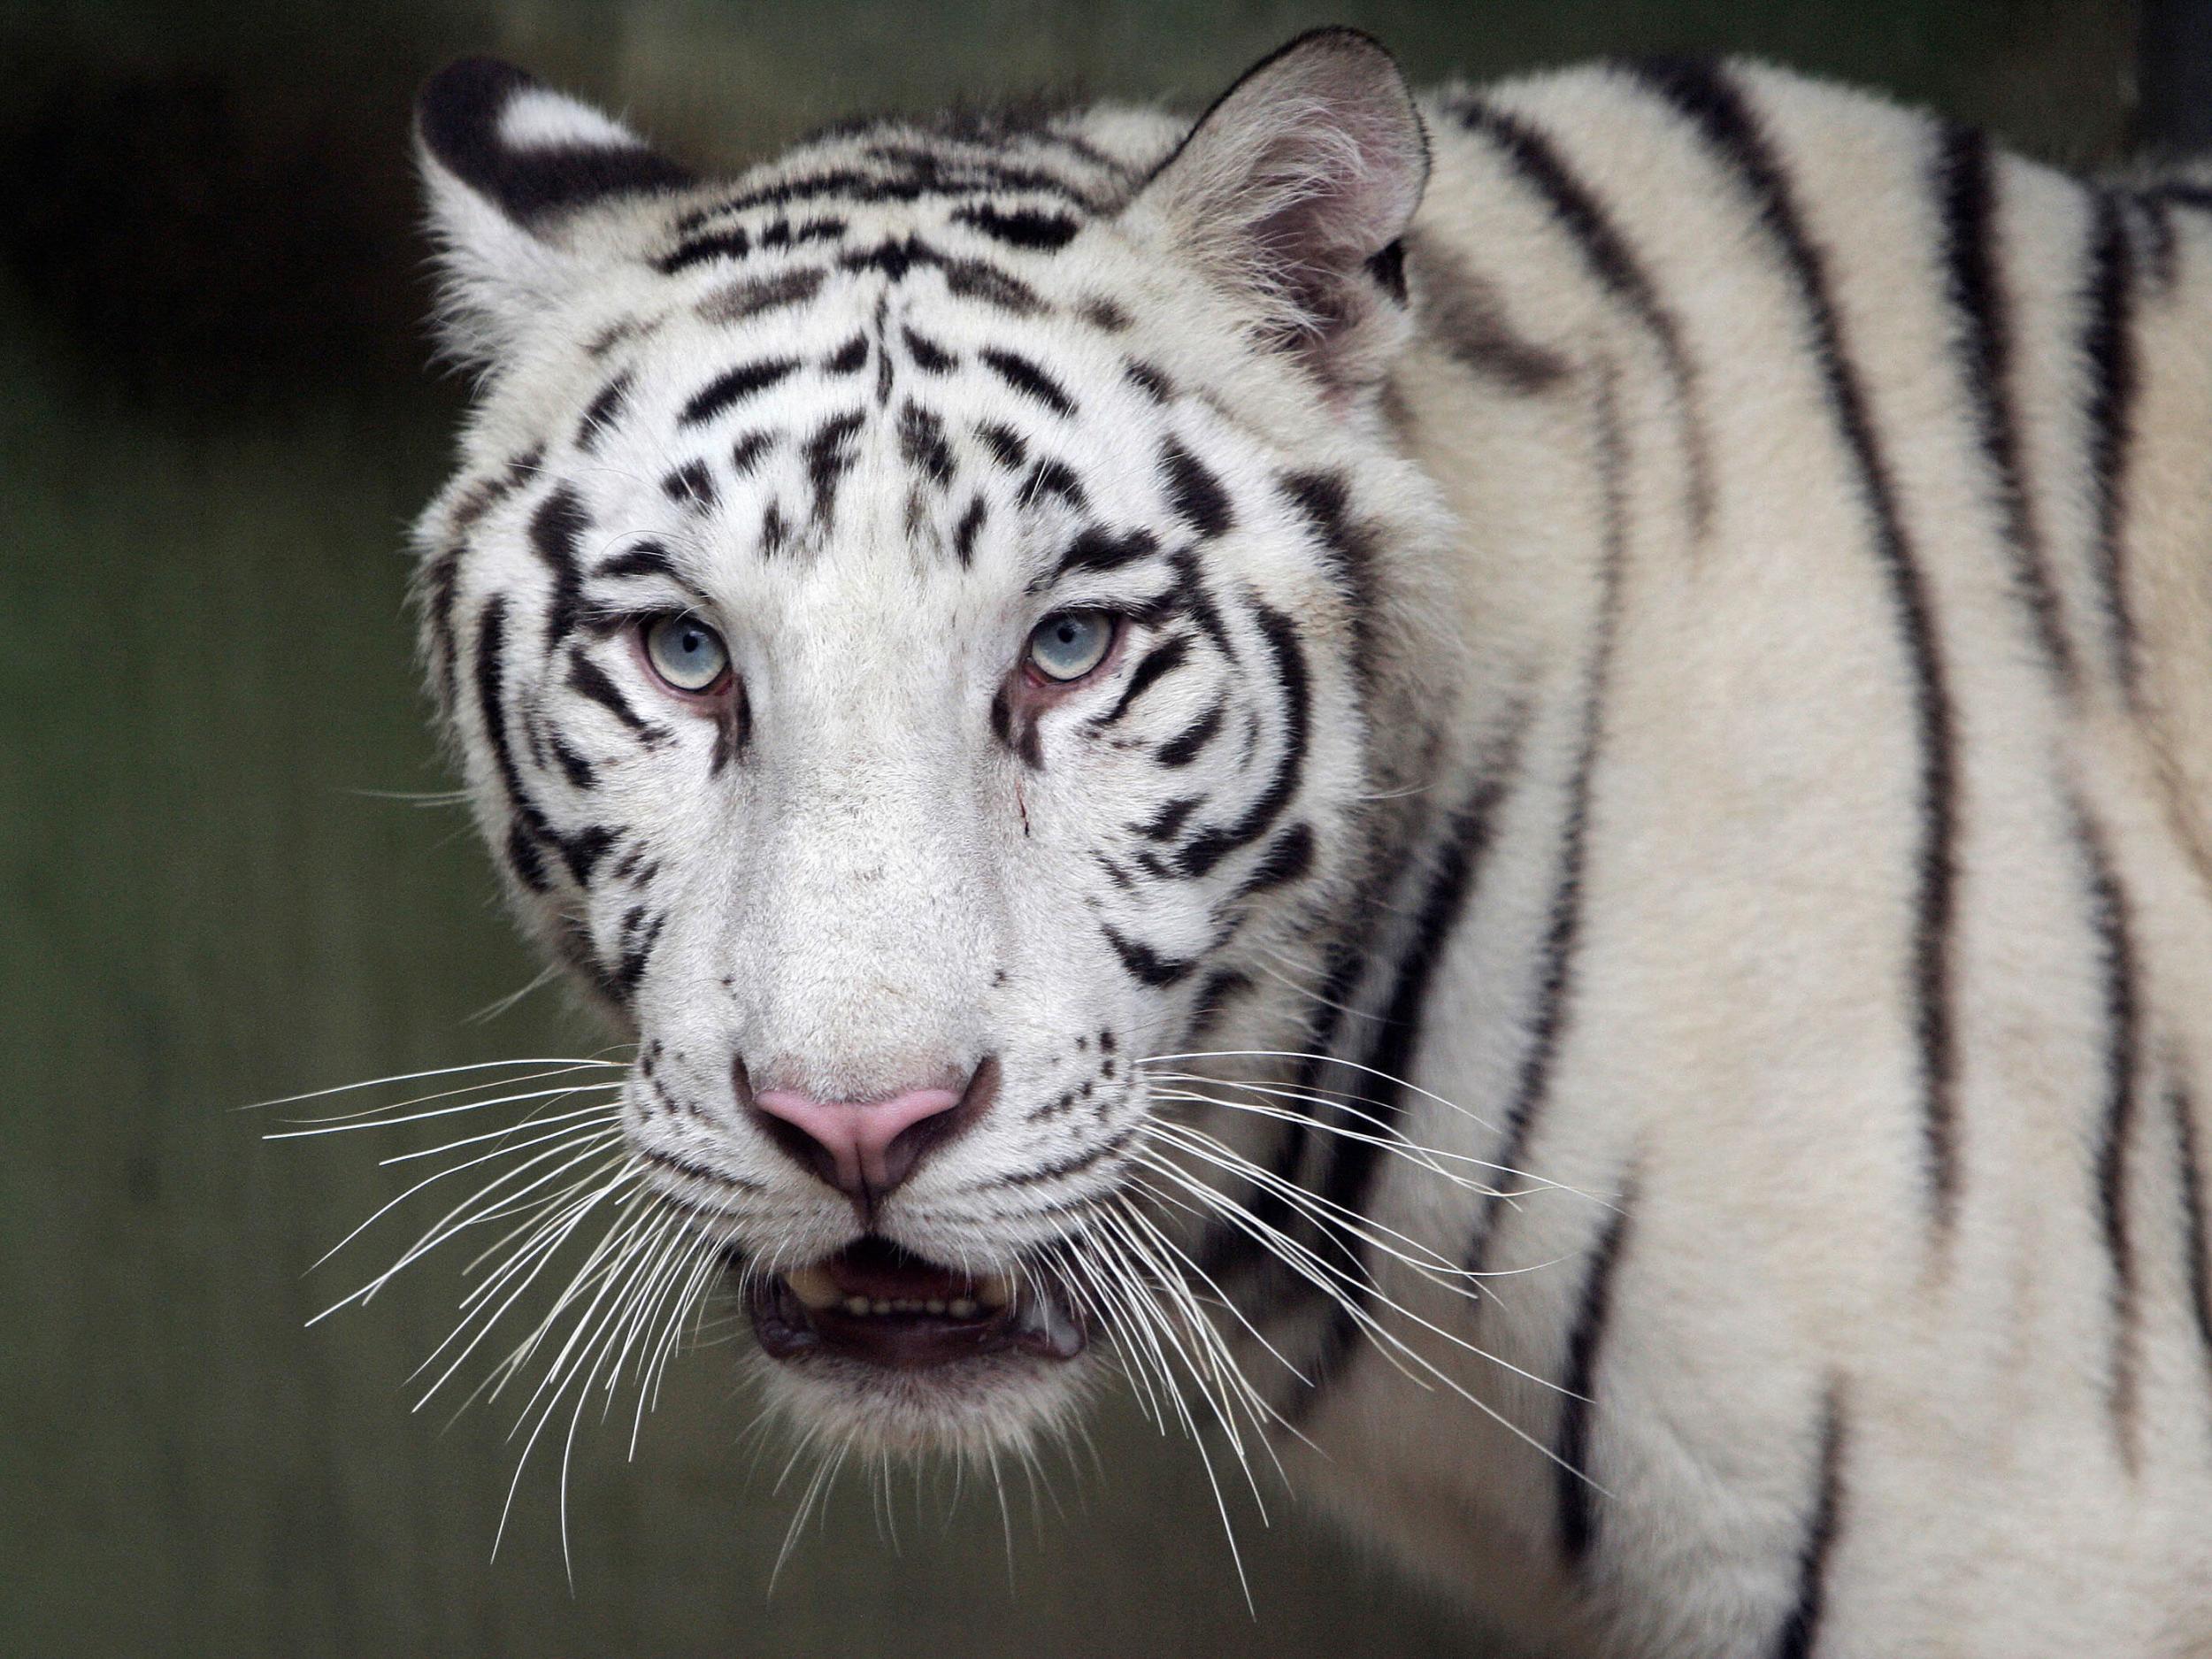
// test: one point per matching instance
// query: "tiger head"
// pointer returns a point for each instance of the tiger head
(925, 625)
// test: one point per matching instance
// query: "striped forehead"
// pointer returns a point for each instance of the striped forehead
(792, 400)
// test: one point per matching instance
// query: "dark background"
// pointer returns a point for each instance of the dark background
(215, 421)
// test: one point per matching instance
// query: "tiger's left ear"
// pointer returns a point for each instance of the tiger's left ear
(519, 177)
(1292, 193)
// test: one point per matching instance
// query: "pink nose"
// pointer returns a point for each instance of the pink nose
(866, 1148)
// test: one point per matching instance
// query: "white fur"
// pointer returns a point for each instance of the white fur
(1737, 1044)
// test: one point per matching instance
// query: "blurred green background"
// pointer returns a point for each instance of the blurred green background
(215, 420)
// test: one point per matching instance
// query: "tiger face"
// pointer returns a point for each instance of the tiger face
(910, 617)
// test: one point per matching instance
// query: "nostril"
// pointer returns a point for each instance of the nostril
(864, 1148)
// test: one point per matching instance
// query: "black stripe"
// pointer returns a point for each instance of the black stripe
(1166, 823)
(579, 771)
(587, 678)
(603, 409)
(732, 386)
(1162, 658)
(928, 356)
(1027, 378)
(639, 934)
(1605, 253)
(1555, 984)
(922, 443)
(1023, 228)
(1324, 499)
(529, 827)
(848, 358)
(1800, 1629)
(1198, 497)
(1577, 1518)
(1143, 963)
(2197, 1267)
(690, 485)
(1462, 313)
(2108, 917)
(1196, 599)
(1050, 477)
(1208, 847)
(828, 456)
(966, 532)
(1288, 859)
(440, 583)
(1184, 748)
(1347, 1176)
(1966, 187)
(724, 244)
(582, 851)
(745, 452)
(755, 294)
(1005, 445)
(973, 280)
(2108, 344)
(556, 528)
(646, 558)
(1148, 379)
(1099, 550)
(1709, 100)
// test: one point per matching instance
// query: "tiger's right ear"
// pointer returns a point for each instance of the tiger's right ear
(513, 170)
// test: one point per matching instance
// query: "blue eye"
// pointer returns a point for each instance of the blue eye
(1069, 645)
(686, 652)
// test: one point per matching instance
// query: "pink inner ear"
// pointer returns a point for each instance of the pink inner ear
(1311, 166)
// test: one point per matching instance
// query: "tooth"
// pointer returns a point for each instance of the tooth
(855, 1304)
(934, 1306)
(961, 1307)
(813, 1286)
(880, 1306)
(995, 1290)
(1062, 1335)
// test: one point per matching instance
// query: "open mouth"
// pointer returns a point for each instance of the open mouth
(876, 1301)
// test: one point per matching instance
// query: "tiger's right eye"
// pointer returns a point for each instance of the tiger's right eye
(687, 655)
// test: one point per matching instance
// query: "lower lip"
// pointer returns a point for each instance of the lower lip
(788, 1330)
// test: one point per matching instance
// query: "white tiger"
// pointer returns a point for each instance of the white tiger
(1513, 790)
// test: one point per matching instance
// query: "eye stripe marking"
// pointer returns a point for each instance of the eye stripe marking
(1099, 550)
(647, 559)
(1161, 660)
(587, 679)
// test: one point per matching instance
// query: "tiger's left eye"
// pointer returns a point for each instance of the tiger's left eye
(1069, 645)
(686, 652)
